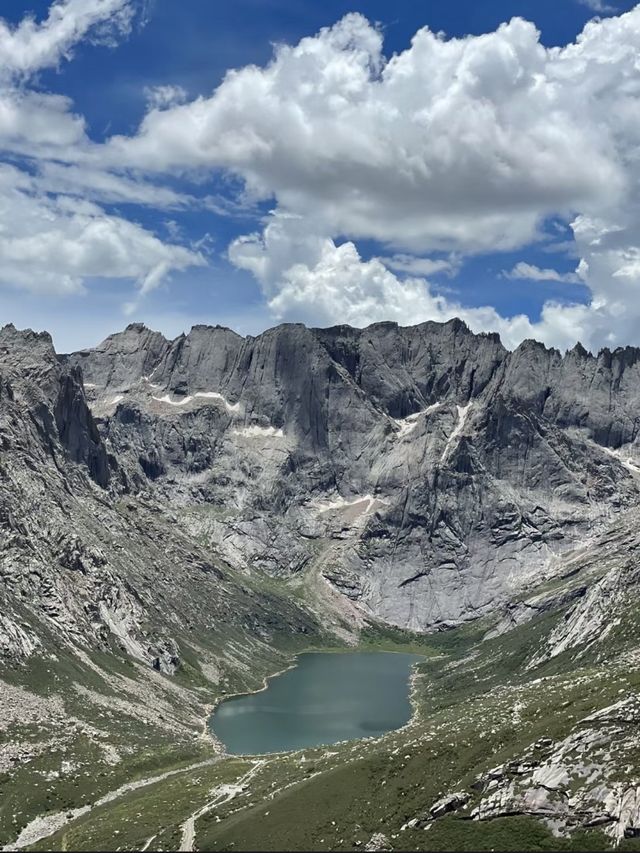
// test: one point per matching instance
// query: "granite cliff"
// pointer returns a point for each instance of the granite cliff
(426, 473)
(177, 518)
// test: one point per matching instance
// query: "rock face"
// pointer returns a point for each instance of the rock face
(421, 475)
(81, 562)
(56, 398)
(426, 473)
(450, 803)
(574, 782)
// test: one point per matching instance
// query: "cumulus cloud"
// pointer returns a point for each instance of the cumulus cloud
(456, 145)
(32, 123)
(530, 272)
(53, 233)
(460, 146)
(311, 279)
(30, 45)
(52, 244)
(450, 148)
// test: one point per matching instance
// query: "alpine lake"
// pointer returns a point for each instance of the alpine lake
(324, 698)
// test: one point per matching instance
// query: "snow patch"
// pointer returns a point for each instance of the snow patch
(213, 395)
(342, 503)
(408, 424)
(167, 399)
(623, 458)
(202, 395)
(255, 431)
(463, 412)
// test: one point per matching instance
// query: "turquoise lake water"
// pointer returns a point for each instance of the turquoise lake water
(324, 699)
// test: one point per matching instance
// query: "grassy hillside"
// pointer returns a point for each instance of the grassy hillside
(538, 726)
(477, 706)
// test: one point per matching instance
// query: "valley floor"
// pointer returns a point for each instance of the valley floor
(535, 752)
(525, 734)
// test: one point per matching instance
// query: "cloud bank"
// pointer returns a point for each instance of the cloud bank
(456, 145)
(54, 234)
(449, 149)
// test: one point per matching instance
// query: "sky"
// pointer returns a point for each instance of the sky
(254, 162)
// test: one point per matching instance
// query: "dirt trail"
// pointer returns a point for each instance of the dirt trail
(223, 794)
(45, 825)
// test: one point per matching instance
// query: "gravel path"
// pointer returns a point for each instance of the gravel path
(45, 825)
(223, 794)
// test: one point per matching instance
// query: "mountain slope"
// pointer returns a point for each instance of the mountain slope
(117, 629)
(515, 744)
(450, 470)
(178, 518)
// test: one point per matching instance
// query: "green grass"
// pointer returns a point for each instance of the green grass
(503, 834)
(30, 791)
(156, 810)
(337, 798)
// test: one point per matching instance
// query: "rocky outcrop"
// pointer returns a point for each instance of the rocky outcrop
(83, 562)
(451, 471)
(450, 803)
(36, 386)
(77, 429)
(573, 783)
(378, 841)
(16, 641)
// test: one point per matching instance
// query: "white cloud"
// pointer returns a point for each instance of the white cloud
(101, 185)
(307, 278)
(461, 145)
(30, 45)
(53, 244)
(454, 145)
(598, 6)
(449, 148)
(423, 266)
(530, 272)
(560, 247)
(159, 97)
(53, 234)
(31, 122)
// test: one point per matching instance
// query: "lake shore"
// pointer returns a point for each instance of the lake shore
(374, 699)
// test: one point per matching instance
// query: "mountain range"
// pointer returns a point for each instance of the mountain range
(179, 517)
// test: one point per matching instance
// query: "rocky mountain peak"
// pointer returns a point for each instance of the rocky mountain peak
(425, 430)
(25, 344)
(452, 449)
(579, 351)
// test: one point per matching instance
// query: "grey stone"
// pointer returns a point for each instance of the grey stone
(452, 472)
(450, 803)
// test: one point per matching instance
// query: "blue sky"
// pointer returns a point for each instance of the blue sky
(308, 248)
